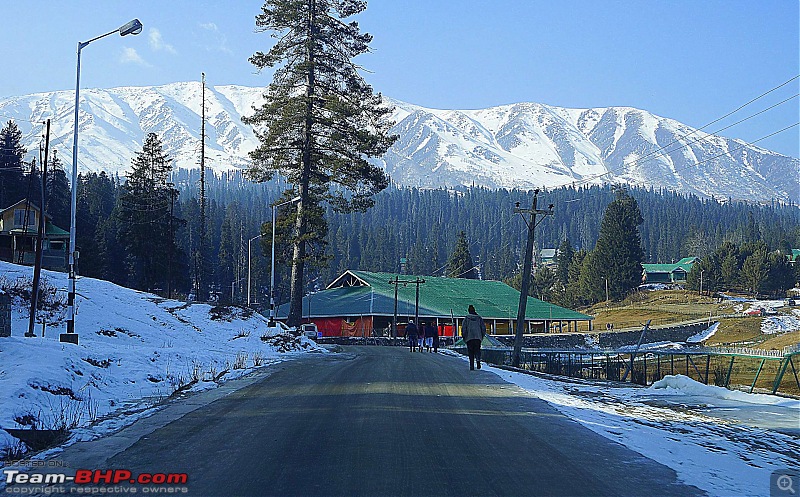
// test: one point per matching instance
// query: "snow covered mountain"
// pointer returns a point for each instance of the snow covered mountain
(523, 145)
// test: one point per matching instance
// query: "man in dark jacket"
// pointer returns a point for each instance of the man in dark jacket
(430, 336)
(411, 333)
(473, 330)
(433, 331)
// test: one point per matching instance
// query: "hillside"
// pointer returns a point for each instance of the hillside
(135, 350)
(524, 145)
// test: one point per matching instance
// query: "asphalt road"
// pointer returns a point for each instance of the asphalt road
(381, 421)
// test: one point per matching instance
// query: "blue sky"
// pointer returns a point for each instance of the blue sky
(690, 60)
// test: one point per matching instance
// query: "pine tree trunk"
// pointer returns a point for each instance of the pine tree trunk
(299, 252)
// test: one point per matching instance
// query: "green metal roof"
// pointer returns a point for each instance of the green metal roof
(50, 230)
(357, 293)
(666, 268)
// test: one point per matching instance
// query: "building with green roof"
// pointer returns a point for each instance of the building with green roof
(19, 232)
(668, 273)
(358, 302)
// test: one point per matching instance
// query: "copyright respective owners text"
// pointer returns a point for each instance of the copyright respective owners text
(37, 481)
(784, 482)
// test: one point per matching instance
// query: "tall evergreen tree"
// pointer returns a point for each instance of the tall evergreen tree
(97, 198)
(755, 270)
(321, 120)
(564, 259)
(147, 223)
(58, 193)
(460, 264)
(12, 184)
(616, 260)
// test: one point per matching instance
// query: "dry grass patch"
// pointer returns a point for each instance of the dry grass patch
(780, 341)
(737, 331)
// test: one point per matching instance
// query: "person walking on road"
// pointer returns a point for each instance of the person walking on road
(473, 330)
(411, 333)
(430, 334)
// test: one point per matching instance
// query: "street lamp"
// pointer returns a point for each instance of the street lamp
(272, 269)
(249, 252)
(132, 28)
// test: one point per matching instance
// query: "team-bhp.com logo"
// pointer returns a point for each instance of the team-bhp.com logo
(89, 477)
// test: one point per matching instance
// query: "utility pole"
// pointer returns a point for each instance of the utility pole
(172, 191)
(199, 262)
(396, 282)
(526, 270)
(37, 268)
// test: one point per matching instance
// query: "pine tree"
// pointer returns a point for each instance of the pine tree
(755, 270)
(618, 255)
(564, 259)
(58, 193)
(147, 225)
(460, 264)
(320, 120)
(13, 186)
(97, 198)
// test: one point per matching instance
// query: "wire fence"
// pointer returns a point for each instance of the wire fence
(776, 372)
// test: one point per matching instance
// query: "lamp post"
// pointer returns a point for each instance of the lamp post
(133, 27)
(249, 258)
(272, 268)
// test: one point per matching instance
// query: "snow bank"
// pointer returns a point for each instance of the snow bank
(703, 335)
(650, 346)
(135, 350)
(683, 385)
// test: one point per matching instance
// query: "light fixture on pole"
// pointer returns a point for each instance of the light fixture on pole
(272, 269)
(133, 27)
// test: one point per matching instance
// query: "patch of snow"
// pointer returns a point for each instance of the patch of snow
(687, 386)
(703, 335)
(772, 325)
(650, 346)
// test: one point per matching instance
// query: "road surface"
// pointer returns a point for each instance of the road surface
(376, 421)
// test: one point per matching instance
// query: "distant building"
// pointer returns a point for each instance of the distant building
(358, 302)
(19, 226)
(549, 257)
(668, 273)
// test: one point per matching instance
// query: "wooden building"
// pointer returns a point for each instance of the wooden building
(19, 226)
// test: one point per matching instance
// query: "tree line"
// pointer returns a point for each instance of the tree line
(142, 232)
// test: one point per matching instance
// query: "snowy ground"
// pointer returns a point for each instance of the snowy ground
(726, 443)
(135, 350)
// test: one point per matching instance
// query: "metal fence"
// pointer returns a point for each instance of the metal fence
(748, 369)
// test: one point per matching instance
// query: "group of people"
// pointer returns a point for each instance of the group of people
(426, 335)
(473, 329)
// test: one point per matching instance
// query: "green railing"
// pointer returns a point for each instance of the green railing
(767, 371)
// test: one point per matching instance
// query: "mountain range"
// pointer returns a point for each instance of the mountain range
(524, 145)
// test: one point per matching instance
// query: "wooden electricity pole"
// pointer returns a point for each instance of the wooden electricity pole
(199, 262)
(37, 268)
(396, 282)
(526, 272)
